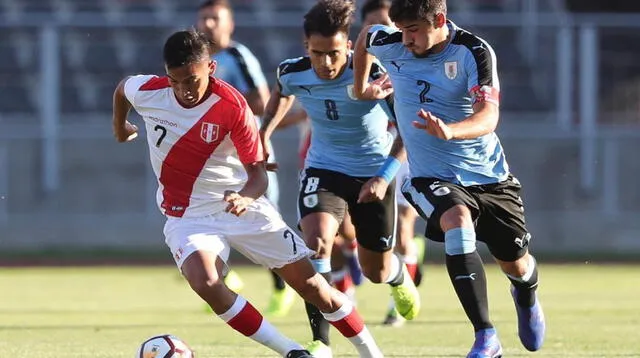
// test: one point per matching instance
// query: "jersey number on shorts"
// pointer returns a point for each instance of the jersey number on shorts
(288, 235)
(332, 110)
(163, 133)
(426, 86)
(312, 185)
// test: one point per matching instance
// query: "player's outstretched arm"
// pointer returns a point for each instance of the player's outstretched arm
(122, 129)
(362, 61)
(484, 120)
(275, 110)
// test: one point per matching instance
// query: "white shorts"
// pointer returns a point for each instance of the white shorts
(259, 234)
(401, 176)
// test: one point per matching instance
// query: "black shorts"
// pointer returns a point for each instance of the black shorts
(496, 210)
(326, 191)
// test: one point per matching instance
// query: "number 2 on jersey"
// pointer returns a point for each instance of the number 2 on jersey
(332, 110)
(163, 133)
(423, 94)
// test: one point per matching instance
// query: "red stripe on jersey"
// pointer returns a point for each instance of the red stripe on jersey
(155, 83)
(187, 157)
(351, 325)
(485, 94)
(247, 321)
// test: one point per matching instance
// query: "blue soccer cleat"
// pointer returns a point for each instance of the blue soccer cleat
(487, 345)
(531, 324)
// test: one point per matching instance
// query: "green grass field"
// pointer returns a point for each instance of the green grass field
(592, 311)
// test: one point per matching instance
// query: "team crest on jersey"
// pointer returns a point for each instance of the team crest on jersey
(209, 132)
(451, 69)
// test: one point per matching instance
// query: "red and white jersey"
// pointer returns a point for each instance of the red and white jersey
(196, 153)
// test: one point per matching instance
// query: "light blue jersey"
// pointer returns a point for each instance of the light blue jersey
(445, 84)
(239, 67)
(347, 135)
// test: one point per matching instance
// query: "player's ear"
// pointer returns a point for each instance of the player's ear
(440, 20)
(212, 67)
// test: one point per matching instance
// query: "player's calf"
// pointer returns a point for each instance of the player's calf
(335, 306)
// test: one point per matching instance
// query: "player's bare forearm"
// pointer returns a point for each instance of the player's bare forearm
(293, 117)
(397, 149)
(362, 61)
(275, 110)
(257, 99)
(483, 121)
(257, 180)
(121, 105)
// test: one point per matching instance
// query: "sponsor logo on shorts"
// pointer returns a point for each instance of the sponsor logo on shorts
(522, 242)
(178, 254)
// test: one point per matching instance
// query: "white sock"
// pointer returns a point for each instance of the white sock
(396, 267)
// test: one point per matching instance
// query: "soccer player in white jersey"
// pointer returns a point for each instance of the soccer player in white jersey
(206, 153)
(447, 96)
(239, 67)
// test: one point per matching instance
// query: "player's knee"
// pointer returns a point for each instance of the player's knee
(517, 268)
(456, 217)
(206, 285)
(319, 242)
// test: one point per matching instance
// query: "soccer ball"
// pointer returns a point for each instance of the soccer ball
(164, 346)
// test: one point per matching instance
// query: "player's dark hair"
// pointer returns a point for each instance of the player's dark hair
(373, 5)
(185, 48)
(210, 3)
(412, 10)
(328, 17)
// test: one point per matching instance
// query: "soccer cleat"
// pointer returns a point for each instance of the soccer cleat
(406, 297)
(355, 271)
(393, 318)
(280, 302)
(299, 354)
(233, 281)
(487, 345)
(319, 350)
(531, 323)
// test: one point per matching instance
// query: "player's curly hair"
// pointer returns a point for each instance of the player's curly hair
(328, 17)
(412, 10)
(373, 5)
(185, 48)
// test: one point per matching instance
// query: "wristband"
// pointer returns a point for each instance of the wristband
(389, 169)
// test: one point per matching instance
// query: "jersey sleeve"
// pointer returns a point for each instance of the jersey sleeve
(281, 79)
(245, 137)
(250, 71)
(132, 86)
(481, 67)
(377, 70)
(384, 42)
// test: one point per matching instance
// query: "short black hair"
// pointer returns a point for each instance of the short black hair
(373, 5)
(185, 48)
(328, 17)
(209, 3)
(411, 10)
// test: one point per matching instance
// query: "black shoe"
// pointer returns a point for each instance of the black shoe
(299, 354)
